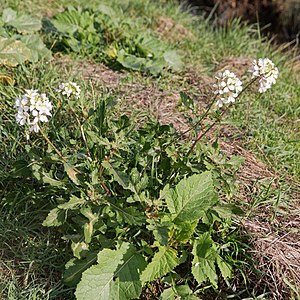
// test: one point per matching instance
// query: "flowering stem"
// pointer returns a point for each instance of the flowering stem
(200, 136)
(202, 117)
(51, 144)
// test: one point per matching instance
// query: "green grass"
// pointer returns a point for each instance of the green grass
(32, 257)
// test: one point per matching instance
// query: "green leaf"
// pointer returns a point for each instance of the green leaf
(184, 231)
(128, 284)
(224, 267)
(24, 23)
(73, 203)
(119, 176)
(40, 174)
(9, 15)
(37, 47)
(13, 52)
(178, 292)
(78, 248)
(173, 60)
(75, 267)
(88, 228)
(72, 173)
(131, 61)
(67, 21)
(163, 262)
(56, 217)
(21, 169)
(191, 197)
(106, 10)
(203, 264)
(97, 280)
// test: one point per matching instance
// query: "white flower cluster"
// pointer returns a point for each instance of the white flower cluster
(227, 88)
(69, 88)
(32, 108)
(265, 69)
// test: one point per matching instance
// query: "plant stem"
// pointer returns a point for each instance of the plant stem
(200, 136)
(51, 144)
(202, 117)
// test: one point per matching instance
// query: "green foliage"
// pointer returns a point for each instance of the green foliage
(191, 197)
(19, 39)
(132, 195)
(163, 262)
(103, 35)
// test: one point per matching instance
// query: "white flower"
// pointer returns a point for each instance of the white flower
(32, 108)
(265, 69)
(227, 88)
(69, 88)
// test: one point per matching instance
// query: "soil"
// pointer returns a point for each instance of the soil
(276, 17)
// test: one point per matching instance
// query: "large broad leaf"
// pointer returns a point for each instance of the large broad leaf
(128, 284)
(68, 21)
(97, 280)
(173, 60)
(75, 267)
(131, 61)
(9, 15)
(23, 23)
(191, 197)
(184, 231)
(37, 47)
(203, 264)
(163, 262)
(13, 52)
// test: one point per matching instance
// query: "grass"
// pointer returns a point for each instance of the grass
(32, 257)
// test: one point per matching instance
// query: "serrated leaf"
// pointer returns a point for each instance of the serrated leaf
(132, 216)
(25, 24)
(191, 197)
(13, 52)
(75, 267)
(72, 173)
(128, 284)
(173, 60)
(184, 231)
(163, 262)
(56, 217)
(119, 176)
(203, 264)
(96, 281)
(224, 267)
